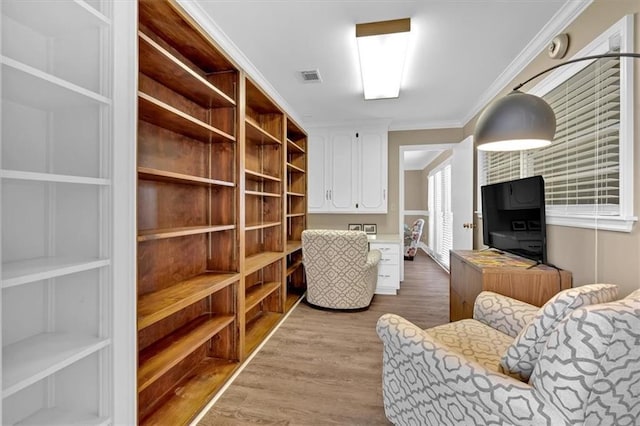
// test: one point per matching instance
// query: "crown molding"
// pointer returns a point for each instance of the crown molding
(207, 23)
(368, 123)
(399, 125)
(565, 16)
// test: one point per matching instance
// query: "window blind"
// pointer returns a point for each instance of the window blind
(581, 167)
(447, 225)
(440, 225)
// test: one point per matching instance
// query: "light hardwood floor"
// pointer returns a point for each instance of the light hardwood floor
(323, 367)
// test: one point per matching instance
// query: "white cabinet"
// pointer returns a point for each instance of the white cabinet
(59, 109)
(342, 195)
(348, 170)
(389, 268)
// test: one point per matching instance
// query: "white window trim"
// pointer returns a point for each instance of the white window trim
(623, 222)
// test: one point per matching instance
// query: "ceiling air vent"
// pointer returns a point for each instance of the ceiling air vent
(312, 76)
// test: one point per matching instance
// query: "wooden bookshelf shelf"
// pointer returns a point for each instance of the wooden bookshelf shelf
(258, 293)
(295, 169)
(258, 135)
(163, 115)
(157, 234)
(148, 173)
(163, 355)
(160, 304)
(262, 194)
(293, 245)
(192, 392)
(294, 147)
(291, 269)
(159, 64)
(296, 194)
(260, 177)
(262, 225)
(258, 329)
(291, 215)
(260, 260)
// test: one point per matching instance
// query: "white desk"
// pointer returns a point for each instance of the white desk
(391, 262)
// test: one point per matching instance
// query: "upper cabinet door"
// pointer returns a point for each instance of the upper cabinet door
(342, 190)
(317, 162)
(373, 172)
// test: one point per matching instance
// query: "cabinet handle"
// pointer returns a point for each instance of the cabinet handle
(384, 194)
(356, 205)
(326, 194)
(330, 194)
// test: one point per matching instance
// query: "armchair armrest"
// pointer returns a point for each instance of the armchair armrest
(462, 379)
(503, 313)
(373, 258)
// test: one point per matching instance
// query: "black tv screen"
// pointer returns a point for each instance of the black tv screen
(513, 217)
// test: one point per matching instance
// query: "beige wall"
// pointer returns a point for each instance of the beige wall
(388, 223)
(415, 190)
(595, 256)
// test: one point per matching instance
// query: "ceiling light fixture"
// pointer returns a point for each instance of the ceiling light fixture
(521, 121)
(382, 47)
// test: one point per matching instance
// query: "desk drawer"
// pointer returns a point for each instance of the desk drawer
(388, 276)
(386, 248)
(389, 259)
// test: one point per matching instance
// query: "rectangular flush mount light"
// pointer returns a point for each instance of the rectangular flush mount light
(382, 47)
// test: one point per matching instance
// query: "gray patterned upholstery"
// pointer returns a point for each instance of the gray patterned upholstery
(588, 370)
(590, 366)
(341, 271)
(503, 313)
(474, 339)
(523, 354)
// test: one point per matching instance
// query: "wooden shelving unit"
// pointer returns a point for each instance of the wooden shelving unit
(57, 207)
(218, 196)
(188, 250)
(264, 289)
(296, 211)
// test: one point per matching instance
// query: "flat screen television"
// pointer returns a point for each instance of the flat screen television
(513, 217)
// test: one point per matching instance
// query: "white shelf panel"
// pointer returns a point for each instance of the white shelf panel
(54, 18)
(30, 86)
(42, 268)
(50, 177)
(31, 360)
(63, 417)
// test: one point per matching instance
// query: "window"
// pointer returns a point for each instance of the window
(588, 167)
(440, 217)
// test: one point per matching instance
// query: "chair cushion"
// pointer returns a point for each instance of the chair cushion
(474, 340)
(521, 356)
(590, 366)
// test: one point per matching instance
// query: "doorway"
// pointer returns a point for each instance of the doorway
(418, 161)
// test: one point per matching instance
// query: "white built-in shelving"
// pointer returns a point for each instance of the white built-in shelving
(57, 192)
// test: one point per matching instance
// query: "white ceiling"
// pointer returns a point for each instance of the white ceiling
(419, 159)
(459, 51)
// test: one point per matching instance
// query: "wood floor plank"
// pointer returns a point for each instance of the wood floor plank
(325, 367)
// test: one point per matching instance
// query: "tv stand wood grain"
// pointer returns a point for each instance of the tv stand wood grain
(473, 271)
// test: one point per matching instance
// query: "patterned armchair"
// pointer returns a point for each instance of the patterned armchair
(576, 360)
(412, 238)
(341, 271)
